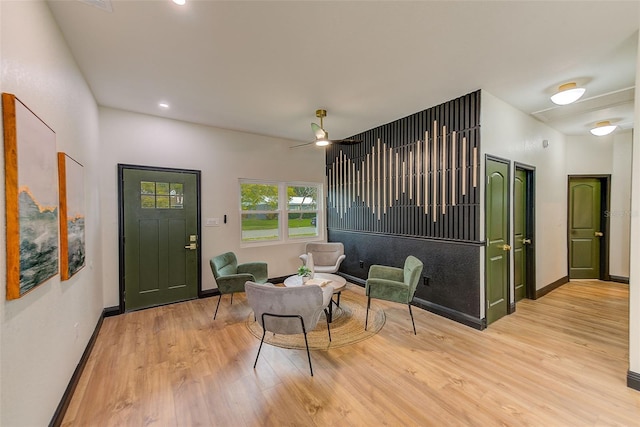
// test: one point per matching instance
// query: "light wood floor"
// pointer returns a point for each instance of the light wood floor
(559, 361)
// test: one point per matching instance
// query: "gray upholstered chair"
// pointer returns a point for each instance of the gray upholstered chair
(326, 256)
(394, 284)
(231, 276)
(288, 310)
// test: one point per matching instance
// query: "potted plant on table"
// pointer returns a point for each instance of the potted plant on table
(304, 272)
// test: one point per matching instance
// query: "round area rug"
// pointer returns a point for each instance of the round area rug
(347, 326)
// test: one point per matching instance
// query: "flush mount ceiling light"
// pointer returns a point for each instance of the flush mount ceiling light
(603, 128)
(568, 93)
(180, 2)
(163, 105)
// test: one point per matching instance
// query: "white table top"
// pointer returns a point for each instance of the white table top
(338, 283)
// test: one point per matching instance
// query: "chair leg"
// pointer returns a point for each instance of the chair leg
(328, 328)
(259, 348)
(217, 306)
(366, 322)
(412, 322)
(308, 354)
(231, 299)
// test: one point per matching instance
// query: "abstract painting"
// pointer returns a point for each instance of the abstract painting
(31, 179)
(71, 187)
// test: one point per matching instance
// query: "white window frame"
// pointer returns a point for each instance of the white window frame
(283, 212)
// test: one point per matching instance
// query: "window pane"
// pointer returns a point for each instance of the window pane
(302, 224)
(259, 227)
(162, 202)
(162, 188)
(258, 197)
(148, 202)
(176, 202)
(147, 187)
(176, 192)
(176, 189)
(302, 198)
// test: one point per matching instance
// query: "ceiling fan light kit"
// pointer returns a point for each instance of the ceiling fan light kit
(322, 136)
(567, 94)
(603, 128)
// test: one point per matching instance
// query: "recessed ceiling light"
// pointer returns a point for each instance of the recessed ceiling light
(568, 93)
(603, 128)
(163, 105)
(180, 2)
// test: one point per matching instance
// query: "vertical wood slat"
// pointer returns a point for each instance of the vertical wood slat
(405, 170)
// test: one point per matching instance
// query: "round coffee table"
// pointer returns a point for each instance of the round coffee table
(338, 283)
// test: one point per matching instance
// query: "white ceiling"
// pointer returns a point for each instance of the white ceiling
(266, 66)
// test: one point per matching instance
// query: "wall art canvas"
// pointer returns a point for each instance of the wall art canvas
(72, 244)
(31, 191)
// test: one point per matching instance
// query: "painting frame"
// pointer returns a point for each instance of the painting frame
(31, 198)
(72, 216)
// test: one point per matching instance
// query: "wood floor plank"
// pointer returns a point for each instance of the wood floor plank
(560, 360)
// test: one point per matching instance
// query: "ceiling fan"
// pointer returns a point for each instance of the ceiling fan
(322, 136)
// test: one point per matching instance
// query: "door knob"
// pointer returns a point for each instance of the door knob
(506, 247)
(526, 241)
(191, 247)
(598, 234)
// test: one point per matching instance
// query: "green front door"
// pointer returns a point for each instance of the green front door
(520, 234)
(161, 242)
(497, 254)
(584, 228)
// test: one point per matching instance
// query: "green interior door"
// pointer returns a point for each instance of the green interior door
(520, 234)
(160, 237)
(584, 228)
(497, 258)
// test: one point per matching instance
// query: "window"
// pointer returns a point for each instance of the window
(302, 211)
(161, 195)
(278, 211)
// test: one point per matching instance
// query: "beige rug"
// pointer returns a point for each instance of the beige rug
(347, 326)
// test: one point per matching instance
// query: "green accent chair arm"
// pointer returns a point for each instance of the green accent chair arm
(384, 272)
(233, 283)
(257, 269)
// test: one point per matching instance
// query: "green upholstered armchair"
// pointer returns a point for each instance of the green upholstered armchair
(394, 284)
(231, 276)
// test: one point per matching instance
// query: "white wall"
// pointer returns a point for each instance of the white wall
(510, 134)
(224, 157)
(39, 341)
(608, 155)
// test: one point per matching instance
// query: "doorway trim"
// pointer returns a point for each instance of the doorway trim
(121, 168)
(530, 214)
(605, 200)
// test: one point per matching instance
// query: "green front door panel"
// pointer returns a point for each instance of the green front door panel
(160, 218)
(497, 254)
(584, 228)
(519, 234)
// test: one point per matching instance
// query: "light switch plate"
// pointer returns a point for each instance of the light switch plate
(212, 222)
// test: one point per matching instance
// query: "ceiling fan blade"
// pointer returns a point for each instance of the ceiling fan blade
(318, 131)
(302, 145)
(347, 141)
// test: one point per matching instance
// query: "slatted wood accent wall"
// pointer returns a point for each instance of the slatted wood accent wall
(416, 176)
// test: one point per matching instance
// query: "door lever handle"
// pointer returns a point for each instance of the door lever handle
(192, 247)
(526, 241)
(506, 247)
(598, 234)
